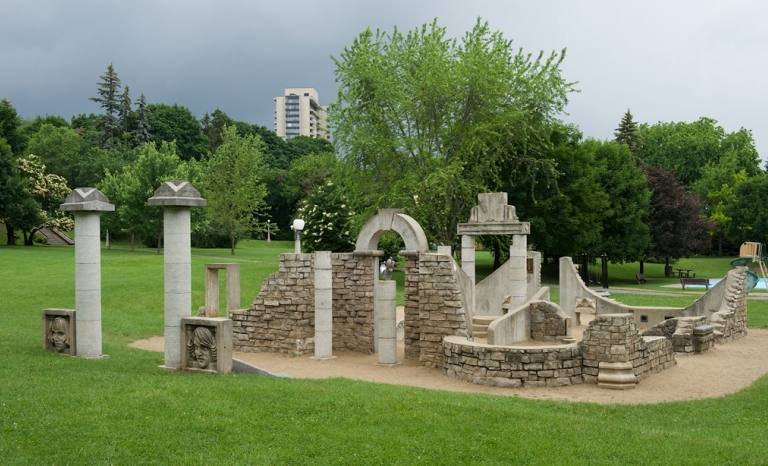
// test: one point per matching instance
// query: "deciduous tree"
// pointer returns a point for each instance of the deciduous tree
(176, 123)
(423, 119)
(235, 189)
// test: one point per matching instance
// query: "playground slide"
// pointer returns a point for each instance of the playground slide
(752, 277)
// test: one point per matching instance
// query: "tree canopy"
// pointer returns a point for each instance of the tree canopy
(422, 119)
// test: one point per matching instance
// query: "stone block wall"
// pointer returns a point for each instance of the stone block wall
(411, 308)
(352, 302)
(440, 311)
(548, 322)
(281, 318)
(730, 321)
(614, 338)
(503, 366)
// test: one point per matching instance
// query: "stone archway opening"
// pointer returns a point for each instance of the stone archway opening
(394, 220)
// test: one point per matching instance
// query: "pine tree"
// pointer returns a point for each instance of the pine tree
(627, 133)
(109, 101)
(124, 111)
(142, 133)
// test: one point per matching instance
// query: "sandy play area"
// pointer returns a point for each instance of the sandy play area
(725, 369)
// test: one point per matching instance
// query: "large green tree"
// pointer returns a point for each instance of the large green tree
(59, 149)
(48, 190)
(17, 208)
(686, 148)
(9, 127)
(423, 119)
(176, 123)
(235, 189)
(747, 214)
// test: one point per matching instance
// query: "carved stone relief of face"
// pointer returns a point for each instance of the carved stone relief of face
(203, 356)
(59, 334)
(202, 348)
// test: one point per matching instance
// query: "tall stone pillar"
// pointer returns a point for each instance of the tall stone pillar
(517, 270)
(177, 198)
(387, 300)
(468, 266)
(323, 306)
(87, 203)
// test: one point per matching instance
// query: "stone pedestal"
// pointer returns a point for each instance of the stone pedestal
(206, 344)
(468, 266)
(60, 331)
(518, 283)
(616, 376)
(323, 306)
(387, 315)
(87, 203)
(177, 198)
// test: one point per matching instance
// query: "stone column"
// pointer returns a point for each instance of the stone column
(86, 203)
(468, 266)
(517, 270)
(387, 307)
(323, 306)
(177, 198)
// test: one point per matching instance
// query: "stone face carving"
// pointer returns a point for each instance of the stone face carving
(202, 349)
(59, 334)
(59, 331)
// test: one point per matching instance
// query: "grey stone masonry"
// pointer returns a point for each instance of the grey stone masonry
(281, 318)
(411, 308)
(730, 321)
(440, 310)
(513, 367)
(548, 322)
(614, 338)
(353, 302)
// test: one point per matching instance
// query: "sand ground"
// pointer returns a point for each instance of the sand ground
(723, 370)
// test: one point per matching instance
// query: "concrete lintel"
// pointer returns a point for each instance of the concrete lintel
(494, 228)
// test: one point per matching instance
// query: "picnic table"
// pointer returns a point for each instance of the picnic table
(684, 273)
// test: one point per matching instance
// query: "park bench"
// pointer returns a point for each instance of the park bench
(694, 281)
(640, 278)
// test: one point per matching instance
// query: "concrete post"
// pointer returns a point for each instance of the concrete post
(323, 306)
(177, 198)
(86, 203)
(387, 300)
(468, 266)
(517, 270)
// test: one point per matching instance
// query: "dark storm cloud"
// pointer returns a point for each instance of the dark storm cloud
(666, 60)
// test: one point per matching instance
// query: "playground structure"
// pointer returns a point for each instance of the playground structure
(503, 331)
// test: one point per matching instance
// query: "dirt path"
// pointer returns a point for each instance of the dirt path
(721, 371)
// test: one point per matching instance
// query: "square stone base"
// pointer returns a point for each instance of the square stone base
(209, 330)
(67, 316)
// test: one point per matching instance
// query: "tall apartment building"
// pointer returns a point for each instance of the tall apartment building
(299, 113)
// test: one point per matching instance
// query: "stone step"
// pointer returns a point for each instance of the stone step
(483, 320)
(480, 333)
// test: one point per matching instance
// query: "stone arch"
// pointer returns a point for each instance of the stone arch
(415, 243)
(392, 220)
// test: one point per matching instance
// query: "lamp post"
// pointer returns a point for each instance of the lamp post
(298, 225)
(269, 222)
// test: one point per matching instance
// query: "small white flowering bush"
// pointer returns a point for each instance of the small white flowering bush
(328, 220)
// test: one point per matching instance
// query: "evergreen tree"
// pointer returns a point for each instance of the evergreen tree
(626, 133)
(124, 111)
(109, 100)
(141, 134)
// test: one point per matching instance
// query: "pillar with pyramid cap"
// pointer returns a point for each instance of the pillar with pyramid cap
(177, 197)
(87, 203)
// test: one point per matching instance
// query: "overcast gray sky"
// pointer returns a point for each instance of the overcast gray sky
(664, 60)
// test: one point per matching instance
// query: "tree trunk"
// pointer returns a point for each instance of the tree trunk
(233, 245)
(28, 238)
(159, 240)
(11, 234)
(642, 266)
(720, 244)
(133, 237)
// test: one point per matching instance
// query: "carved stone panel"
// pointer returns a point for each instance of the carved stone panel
(206, 344)
(59, 331)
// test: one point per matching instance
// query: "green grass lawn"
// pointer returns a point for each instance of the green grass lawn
(124, 410)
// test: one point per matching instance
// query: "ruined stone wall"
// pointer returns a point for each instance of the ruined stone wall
(548, 322)
(614, 338)
(281, 318)
(504, 366)
(730, 321)
(440, 310)
(352, 302)
(411, 307)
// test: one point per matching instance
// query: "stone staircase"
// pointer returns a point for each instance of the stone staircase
(480, 325)
(56, 237)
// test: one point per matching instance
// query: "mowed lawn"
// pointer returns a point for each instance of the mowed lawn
(124, 410)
